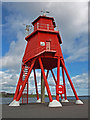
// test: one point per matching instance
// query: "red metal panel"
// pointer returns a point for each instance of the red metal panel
(54, 43)
(35, 46)
(31, 47)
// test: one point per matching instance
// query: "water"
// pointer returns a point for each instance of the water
(8, 100)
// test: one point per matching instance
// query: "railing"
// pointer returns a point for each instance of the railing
(39, 50)
(42, 26)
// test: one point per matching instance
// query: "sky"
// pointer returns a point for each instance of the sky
(72, 19)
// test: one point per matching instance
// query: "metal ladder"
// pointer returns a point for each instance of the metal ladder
(25, 91)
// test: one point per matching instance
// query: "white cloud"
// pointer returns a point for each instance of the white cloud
(72, 19)
(13, 57)
(10, 79)
(80, 81)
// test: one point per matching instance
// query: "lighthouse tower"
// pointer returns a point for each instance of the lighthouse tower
(43, 52)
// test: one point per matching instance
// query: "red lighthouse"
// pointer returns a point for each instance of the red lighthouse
(43, 52)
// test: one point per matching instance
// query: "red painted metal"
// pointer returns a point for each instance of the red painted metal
(43, 51)
(64, 83)
(69, 80)
(47, 74)
(45, 80)
(36, 84)
(60, 90)
(18, 85)
(58, 78)
(44, 20)
(61, 96)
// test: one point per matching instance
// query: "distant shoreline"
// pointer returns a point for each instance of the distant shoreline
(4, 95)
(33, 95)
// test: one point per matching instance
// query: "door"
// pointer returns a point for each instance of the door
(48, 45)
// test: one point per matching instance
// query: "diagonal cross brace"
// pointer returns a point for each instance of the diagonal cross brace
(45, 79)
(69, 80)
(18, 85)
(25, 81)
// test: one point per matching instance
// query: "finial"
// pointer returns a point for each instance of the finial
(45, 12)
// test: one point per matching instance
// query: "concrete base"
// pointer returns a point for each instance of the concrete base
(63, 100)
(79, 102)
(55, 103)
(14, 103)
(38, 101)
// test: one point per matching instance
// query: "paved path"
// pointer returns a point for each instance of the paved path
(33, 110)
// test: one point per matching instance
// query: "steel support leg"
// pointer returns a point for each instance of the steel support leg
(54, 77)
(36, 84)
(45, 79)
(47, 74)
(18, 85)
(58, 78)
(69, 80)
(61, 96)
(25, 81)
(64, 83)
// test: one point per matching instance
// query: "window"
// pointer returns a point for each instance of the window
(42, 43)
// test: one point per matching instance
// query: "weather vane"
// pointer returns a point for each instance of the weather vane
(45, 12)
(27, 28)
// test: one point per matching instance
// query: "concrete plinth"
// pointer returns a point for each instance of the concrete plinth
(63, 100)
(55, 103)
(38, 101)
(79, 102)
(14, 103)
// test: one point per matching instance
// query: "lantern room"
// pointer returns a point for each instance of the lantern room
(43, 22)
